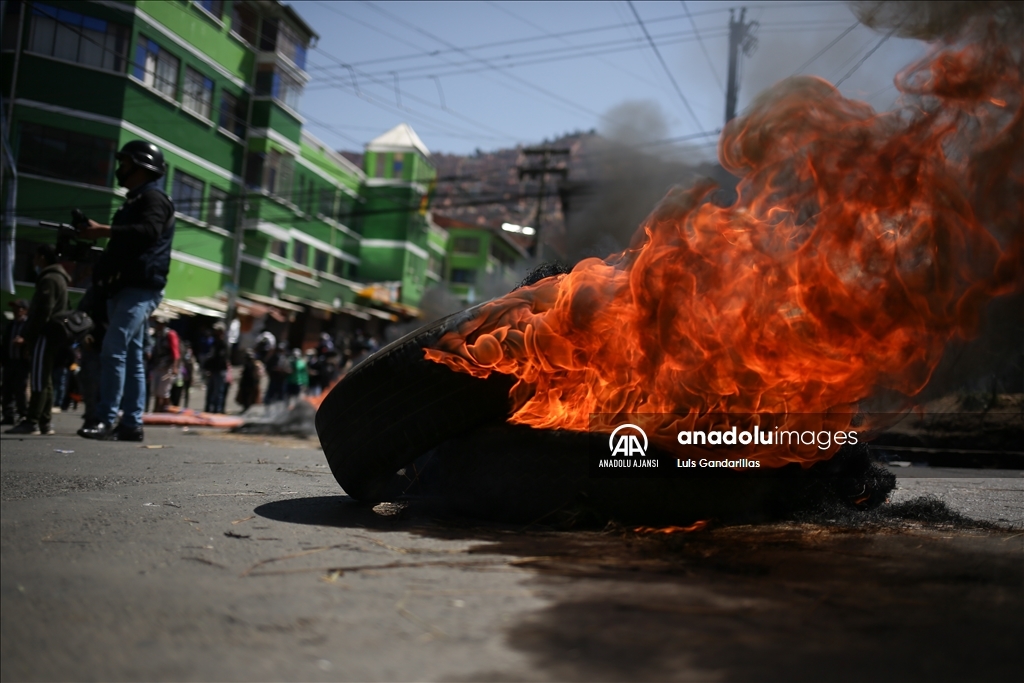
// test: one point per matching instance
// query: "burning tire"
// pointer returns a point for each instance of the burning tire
(396, 405)
(517, 474)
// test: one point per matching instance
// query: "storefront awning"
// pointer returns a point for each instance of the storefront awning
(310, 302)
(179, 308)
(270, 301)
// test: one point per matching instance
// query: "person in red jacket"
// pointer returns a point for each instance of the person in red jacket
(166, 363)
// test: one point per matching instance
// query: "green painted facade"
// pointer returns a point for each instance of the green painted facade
(480, 259)
(315, 229)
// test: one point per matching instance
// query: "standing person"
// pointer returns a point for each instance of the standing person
(166, 363)
(148, 340)
(314, 365)
(183, 387)
(16, 365)
(132, 273)
(217, 367)
(93, 303)
(265, 344)
(279, 369)
(249, 384)
(50, 297)
(299, 379)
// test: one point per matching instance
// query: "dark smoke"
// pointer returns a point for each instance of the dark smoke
(629, 169)
(280, 419)
(931, 21)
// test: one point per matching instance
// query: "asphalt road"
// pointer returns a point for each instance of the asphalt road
(198, 556)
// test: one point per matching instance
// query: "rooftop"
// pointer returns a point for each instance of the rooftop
(400, 138)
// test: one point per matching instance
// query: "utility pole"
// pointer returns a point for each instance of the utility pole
(542, 171)
(741, 37)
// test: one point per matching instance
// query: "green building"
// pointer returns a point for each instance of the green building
(401, 243)
(270, 220)
(481, 261)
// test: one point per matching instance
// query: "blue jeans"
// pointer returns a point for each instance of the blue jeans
(123, 376)
(216, 390)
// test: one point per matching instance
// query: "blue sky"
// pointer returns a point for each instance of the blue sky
(468, 75)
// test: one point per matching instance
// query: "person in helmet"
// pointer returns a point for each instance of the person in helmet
(131, 274)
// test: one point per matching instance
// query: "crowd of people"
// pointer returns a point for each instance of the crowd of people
(266, 373)
(116, 354)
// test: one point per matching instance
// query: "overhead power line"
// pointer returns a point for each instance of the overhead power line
(560, 34)
(521, 81)
(865, 57)
(826, 48)
(696, 31)
(661, 59)
(562, 39)
(550, 55)
(381, 103)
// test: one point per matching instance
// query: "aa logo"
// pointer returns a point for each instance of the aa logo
(628, 442)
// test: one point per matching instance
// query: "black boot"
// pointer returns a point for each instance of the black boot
(100, 432)
(122, 433)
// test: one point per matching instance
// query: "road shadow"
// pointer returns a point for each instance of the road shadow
(783, 601)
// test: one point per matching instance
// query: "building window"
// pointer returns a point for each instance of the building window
(78, 38)
(232, 114)
(214, 7)
(396, 165)
(217, 208)
(327, 203)
(320, 260)
(346, 210)
(277, 173)
(466, 245)
(300, 199)
(254, 169)
(463, 275)
(288, 90)
(187, 194)
(279, 248)
(12, 25)
(290, 45)
(301, 253)
(156, 67)
(268, 35)
(278, 85)
(64, 154)
(244, 22)
(197, 96)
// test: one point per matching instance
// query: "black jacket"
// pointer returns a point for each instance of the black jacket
(9, 351)
(139, 251)
(49, 297)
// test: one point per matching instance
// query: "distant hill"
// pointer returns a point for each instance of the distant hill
(594, 211)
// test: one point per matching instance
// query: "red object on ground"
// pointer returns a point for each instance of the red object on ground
(192, 418)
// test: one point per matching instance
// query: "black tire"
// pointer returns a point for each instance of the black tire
(396, 405)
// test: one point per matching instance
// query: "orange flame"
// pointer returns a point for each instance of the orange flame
(859, 245)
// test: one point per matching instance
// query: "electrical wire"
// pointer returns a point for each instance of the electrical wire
(550, 55)
(704, 49)
(826, 48)
(548, 34)
(504, 135)
(664, 66)
(865, 57)
(562, 34)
